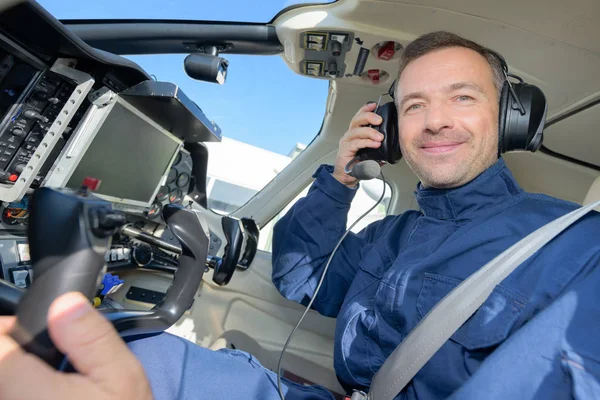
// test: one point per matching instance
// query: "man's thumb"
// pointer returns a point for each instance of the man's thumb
(89, 341)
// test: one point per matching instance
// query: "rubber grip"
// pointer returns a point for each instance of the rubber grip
(66, 257)
(10, 297)
(231, 254)
(76, 273)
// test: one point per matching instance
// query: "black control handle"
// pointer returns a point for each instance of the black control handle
(10, 296)
(69, 233)
(252, 234)
(235, 238)
(194, 239)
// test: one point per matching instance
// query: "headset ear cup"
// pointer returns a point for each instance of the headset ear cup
(389, 150)
(393, 152)
(503, 110)
(524, 131)
(537, 106)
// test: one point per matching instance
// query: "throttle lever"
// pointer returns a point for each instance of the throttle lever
(69, 232)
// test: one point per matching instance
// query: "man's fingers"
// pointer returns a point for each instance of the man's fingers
(363, 133)
(6, 324)
(356, 145)
(22, 375)
(370, 106)
(365, 118)
(89, 340)
(10, 358)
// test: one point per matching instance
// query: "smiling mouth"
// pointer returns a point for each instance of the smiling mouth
(437, 148)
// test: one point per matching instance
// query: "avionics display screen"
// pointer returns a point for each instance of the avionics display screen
(129, 155)
(15, 76)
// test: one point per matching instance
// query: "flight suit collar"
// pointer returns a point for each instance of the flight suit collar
(495, 186)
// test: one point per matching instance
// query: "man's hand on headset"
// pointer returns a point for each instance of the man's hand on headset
(107, 369)
(357, 137)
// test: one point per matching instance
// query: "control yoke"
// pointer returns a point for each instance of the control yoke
(69, 233)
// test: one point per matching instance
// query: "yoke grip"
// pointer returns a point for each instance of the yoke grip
(67, 250)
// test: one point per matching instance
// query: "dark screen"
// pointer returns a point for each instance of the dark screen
(128, 155)
(13, 85)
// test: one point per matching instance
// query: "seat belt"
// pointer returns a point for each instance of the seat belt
(450, 313)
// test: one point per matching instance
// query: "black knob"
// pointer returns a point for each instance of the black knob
(105, 222)
(32, 114)
(18, 132)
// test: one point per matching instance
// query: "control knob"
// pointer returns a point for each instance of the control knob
(18, 132)
(32, 114)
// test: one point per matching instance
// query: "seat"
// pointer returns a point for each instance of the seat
(593, 194)
(313, 373)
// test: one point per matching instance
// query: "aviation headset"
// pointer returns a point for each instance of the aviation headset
(522, 115)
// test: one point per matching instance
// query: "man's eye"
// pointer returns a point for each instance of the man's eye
(464, 98)
(413, 107)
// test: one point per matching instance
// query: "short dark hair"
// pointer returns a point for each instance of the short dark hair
(440, 40)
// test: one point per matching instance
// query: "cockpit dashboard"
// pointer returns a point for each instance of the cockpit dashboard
(74, 116)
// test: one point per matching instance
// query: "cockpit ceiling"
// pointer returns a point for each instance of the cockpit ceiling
(548, 43)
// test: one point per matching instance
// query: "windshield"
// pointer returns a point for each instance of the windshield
(223, 10)
(267, 113)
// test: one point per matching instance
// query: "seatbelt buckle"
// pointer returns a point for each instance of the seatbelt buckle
(357, 395)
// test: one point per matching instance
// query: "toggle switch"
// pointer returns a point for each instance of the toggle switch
(32, 114)
(332, 70)
(336, 48)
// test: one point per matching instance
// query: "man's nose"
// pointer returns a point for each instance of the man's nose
(438, 118)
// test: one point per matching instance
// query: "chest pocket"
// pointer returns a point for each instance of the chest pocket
(491, 323)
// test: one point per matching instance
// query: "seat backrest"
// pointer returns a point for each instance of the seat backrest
(593, 194)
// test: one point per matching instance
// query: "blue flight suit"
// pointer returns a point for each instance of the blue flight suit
(383, 280)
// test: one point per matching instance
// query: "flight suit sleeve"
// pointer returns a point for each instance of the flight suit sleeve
(305, 238)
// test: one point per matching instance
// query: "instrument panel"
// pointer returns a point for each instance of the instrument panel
(63, 127)
(31, 101)
(177, 184)
(71, 116)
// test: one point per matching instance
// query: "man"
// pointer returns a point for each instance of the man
(383, 280)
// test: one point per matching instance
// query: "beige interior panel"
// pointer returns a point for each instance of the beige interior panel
(573, 23)
(577, 136)
(545, 61)
(539, 173)
(250, 313)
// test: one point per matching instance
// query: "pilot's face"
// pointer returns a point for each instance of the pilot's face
(448, 116)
